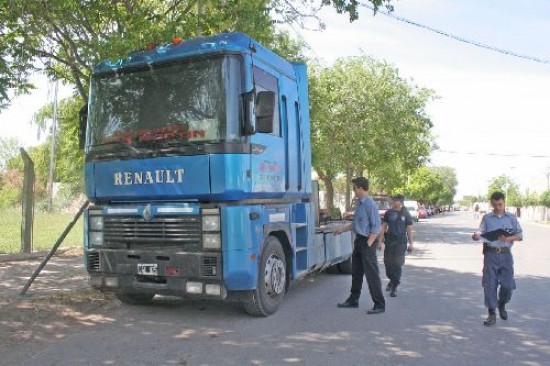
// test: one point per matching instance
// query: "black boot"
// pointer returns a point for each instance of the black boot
(491, 319)
(502, 310)
(349, 303)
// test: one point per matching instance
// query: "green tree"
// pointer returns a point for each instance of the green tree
(66, 38)
(447, 194)
(507, 186)
(69, 159)
(371, 119)
(425, 185)
(531, 198)
(545, 199)
(9, 147)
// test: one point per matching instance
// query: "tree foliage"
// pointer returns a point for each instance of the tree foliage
(507, 186)
(66, 38)
(9, 147)
(433, 185)
(371, 119)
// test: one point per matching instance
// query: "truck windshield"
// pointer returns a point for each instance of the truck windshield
(195, 101)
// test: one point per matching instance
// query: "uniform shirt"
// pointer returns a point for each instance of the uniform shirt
(397, 221)
(507, 220)
(366, 220)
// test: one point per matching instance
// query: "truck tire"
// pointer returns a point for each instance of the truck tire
(134, 299)
(265, 300)
(345, 266)
(333, 269)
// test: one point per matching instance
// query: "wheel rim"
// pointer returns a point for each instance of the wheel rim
(275, 276)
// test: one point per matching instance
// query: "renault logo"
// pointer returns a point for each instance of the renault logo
(147, 212)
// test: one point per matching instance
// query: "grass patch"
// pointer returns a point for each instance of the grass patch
(46, 230)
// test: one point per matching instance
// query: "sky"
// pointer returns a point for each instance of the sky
(492, 114)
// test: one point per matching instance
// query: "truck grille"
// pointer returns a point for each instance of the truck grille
(210, 266)
(93, 261)
(136, 232)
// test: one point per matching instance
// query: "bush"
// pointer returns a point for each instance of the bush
(9, 197)
(335, 213)
(545, 199)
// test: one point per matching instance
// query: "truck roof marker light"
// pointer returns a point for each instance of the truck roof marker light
(252, 257)
(176, 40)
(150, 46)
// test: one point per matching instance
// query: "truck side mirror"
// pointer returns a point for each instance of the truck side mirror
(248, 107)
(265, 108)
(82, 122)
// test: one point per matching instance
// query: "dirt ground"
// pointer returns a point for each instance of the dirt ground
(57, 303)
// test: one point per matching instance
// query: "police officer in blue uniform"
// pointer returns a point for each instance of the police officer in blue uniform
(396, 233)
(366, 225)
(498, 264)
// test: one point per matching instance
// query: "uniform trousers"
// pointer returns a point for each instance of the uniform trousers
(498, 269)
(394, 258)
(364, 262)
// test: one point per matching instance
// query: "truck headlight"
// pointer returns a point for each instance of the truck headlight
(96, 222)
(96, 237)
(211, 223)
(211, 241)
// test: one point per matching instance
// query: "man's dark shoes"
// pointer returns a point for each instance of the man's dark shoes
(349, 303)
(502, 311)
(375, 311)
(393, 291)
(491, 319)
(389, 286)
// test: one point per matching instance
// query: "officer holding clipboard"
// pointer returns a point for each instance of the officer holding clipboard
(498, 230)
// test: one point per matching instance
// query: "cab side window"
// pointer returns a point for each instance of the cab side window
(266, 100)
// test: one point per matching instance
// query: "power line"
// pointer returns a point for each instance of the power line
(458, 38)
(492, 154)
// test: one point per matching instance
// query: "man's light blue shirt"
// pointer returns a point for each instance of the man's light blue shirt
(366, 220)
(507, 220)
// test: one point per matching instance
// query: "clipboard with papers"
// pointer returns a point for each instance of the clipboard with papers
(495, 234)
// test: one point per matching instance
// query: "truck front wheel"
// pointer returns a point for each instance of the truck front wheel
(134, 299)
(271, 289)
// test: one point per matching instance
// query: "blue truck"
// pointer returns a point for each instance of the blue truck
(198, 170)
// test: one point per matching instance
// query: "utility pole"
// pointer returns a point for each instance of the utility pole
(548, 177)
(52, 150)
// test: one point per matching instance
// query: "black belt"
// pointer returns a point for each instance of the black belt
(498, 250)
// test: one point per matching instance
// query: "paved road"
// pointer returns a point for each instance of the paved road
(435, 320)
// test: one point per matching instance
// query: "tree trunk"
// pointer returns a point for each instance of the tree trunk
(330, 193)
(348, 189)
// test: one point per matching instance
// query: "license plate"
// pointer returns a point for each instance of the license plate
(147, 269)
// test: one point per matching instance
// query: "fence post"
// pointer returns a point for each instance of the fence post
(27, 204)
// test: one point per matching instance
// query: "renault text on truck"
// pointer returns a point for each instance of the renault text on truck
(198, 167)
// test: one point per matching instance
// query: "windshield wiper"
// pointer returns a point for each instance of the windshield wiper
(131, 150)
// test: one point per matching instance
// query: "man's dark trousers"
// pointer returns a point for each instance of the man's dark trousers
(365, 263)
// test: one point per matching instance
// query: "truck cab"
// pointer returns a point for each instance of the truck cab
(198, 165)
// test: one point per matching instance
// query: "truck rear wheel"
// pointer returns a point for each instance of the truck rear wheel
(345, 266)
(265, 300)
(134, 299)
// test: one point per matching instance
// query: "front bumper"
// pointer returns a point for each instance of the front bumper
(175, 273)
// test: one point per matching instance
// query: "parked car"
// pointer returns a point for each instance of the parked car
(422, 213)
(383, 203)
(412, 207)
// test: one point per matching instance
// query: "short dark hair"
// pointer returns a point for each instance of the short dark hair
(497, 196)
(399, 197)
(361, 182)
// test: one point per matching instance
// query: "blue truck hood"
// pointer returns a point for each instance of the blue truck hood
(158, 179)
